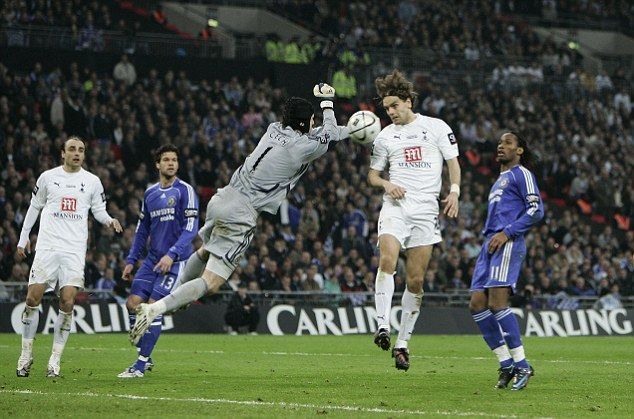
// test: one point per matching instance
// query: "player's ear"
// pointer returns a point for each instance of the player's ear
(520, 150)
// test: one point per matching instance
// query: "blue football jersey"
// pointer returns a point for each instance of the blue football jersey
(514, 203)
(169, 217)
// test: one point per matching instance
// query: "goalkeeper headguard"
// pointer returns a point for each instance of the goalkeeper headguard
(297, 113)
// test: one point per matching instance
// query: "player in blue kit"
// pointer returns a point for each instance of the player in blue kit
(514, 207)
(169, 217)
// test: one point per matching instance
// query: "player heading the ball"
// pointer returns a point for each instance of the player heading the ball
(414, 147)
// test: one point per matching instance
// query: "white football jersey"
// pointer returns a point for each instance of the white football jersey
(64, 199)
(414, 154)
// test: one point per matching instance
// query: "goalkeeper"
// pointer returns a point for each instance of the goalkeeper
(279, 160)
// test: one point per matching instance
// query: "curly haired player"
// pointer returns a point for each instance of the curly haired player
(414, 148)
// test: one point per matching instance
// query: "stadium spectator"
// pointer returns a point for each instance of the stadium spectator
(242, 312)
(124, 71)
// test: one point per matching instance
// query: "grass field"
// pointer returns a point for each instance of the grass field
(301, 376)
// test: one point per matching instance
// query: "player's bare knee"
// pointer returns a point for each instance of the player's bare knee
(415, 284)
(478, 302)
(387, 263)
(132, 303)
(213, 281)
(33, 301)
(203, 253)
(67, 305)
(475, 305)
(213, 285)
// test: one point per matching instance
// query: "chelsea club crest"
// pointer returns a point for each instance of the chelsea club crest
(504, 182)
(171, 201)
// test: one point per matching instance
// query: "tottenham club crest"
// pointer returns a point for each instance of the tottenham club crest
(171, 201)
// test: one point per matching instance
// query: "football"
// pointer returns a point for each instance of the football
(364, 127)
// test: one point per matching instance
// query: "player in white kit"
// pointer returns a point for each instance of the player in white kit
(63, 195)
(273, 168)
(412, 149)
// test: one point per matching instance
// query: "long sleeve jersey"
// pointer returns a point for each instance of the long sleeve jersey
(280, 159)
(64, 198)
(169, 217)
(514, 203)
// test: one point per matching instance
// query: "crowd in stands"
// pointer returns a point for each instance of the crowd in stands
(330, 16)
(81, 22)
(480, 27)
(325, 238)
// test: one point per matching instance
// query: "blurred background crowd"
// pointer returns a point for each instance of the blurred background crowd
(324, 239)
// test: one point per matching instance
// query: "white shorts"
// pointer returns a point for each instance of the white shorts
(413, 221)
(57, 269)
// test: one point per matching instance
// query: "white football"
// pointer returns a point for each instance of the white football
(364, 126)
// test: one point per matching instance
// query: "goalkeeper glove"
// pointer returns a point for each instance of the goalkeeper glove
(325, 92)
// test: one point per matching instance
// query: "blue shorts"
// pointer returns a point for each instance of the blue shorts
(500, 269)
(148, 284)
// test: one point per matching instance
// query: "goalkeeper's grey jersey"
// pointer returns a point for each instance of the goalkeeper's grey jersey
(281, 157)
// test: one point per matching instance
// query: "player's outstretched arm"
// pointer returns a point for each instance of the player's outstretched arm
(326, 93)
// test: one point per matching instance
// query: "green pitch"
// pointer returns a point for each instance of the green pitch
(301, 376)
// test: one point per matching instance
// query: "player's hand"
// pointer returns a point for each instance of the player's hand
(127, 272)
(116, 225)
(21, 252)
(394, 191)
(324, 91)
(164, 265)
(497, 241)
(451, 205)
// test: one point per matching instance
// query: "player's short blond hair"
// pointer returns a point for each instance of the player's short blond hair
(395, 84)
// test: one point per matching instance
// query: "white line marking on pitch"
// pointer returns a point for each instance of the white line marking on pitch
(262, 403)
(473, 358)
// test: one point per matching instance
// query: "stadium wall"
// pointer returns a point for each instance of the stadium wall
(305, 319)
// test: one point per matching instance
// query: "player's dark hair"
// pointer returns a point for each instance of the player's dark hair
(297, 113)
(395, 84)
(526, 158)
(73, 137)
(165, 148)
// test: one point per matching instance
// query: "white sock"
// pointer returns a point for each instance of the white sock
(383, 292)
(27, 351)
(60, 335)
(411, 309)
(518, 353)
(502, 352)
(30, 321)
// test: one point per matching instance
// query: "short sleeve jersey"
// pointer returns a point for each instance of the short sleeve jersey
(414, 154)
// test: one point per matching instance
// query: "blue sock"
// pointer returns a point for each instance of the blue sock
(492, 335)
(148, 341)
(511, 328)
